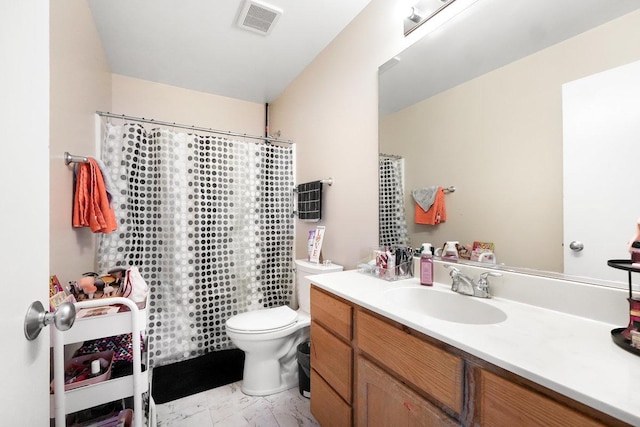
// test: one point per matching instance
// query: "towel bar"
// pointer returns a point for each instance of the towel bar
(328, 181)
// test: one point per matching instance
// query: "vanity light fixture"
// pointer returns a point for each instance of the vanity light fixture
(415, 15)
(422, 11)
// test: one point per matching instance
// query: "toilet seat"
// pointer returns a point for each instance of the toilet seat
(262, 321)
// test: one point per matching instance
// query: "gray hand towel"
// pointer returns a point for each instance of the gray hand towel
(425, 197)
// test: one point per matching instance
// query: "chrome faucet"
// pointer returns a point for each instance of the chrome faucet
(482, 286)
(463, 284)
(460, 283)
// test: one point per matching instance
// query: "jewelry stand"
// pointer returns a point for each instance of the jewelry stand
(622, 336)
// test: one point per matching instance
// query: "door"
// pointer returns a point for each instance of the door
(24, 191)
(601, 126)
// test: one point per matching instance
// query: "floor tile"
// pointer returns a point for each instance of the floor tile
(228, 406)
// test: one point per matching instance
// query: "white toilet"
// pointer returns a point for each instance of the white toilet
(270, 337)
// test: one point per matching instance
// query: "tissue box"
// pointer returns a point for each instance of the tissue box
(77, 370)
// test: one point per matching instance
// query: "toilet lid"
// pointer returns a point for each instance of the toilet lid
(263, 320)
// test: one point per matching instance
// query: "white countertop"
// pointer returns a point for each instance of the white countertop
(571, 355)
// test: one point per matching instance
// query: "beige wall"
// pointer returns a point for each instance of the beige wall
(331, 112)
(498, 139)
(142, 98)
(80, 85)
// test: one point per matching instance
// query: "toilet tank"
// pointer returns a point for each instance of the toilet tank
(303, 285)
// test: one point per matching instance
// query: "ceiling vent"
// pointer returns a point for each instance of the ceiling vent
(258, 16)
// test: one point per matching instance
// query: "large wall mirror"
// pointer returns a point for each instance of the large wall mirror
(478, 104)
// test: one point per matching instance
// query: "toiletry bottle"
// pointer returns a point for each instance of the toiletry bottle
(426, 269)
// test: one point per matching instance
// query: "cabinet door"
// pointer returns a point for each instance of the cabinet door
(429, 368)
(385, 401)
(503, 403)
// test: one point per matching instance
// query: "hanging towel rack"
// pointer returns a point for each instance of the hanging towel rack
(328, 181)
(449, 189)
(70, 158)
(309, 202)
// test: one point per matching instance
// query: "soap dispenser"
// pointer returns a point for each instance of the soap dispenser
(426, 269)
(450, 250)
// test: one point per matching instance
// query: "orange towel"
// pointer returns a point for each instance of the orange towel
(91, 206)
(436, 214)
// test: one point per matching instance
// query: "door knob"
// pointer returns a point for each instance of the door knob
(37, 318)
(576, 246)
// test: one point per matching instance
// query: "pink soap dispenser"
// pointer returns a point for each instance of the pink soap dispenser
(426, 269)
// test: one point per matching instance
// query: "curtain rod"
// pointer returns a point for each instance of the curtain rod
(201, 129)
(390, 156)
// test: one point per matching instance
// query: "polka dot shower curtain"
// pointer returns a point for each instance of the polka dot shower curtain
(208, 222)
(393, 225)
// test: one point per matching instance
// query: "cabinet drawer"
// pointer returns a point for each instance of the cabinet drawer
(385, 401)
(429, 368)
(503, 403)
(332, 359)
(332, 313)
(326, 406)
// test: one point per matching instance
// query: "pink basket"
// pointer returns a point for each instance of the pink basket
(77, 370)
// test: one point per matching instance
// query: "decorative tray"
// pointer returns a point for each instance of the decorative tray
(622, 264)
(616, 335)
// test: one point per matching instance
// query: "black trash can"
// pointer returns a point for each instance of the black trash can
(304, 369)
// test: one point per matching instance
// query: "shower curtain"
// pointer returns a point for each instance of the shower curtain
(208, 222)
(392, 221)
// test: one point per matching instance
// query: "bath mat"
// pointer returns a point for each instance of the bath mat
(181, 379)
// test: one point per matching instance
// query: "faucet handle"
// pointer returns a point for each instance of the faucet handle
(454, 270)
(454, 273)
(489, 273)
(483, 283)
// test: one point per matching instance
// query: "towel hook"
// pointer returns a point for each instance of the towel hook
(70, 158)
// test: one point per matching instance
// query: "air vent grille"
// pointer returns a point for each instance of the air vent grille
(258, 17)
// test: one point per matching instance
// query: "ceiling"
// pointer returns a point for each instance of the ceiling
(486, 35)
(196, 44)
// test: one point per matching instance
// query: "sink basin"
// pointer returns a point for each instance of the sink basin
(448, 306)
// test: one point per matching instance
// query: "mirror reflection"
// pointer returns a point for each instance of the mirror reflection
(478, 104)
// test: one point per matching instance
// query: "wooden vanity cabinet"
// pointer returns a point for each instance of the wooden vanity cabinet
(368, 370)
(503, 403)
(331, 359)
(435, 376)
(383, 400)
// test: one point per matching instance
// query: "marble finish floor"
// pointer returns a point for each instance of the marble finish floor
(228, 406)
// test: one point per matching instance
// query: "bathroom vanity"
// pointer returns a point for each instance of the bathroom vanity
(379, 360)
